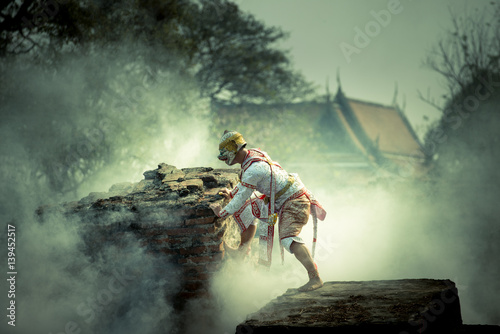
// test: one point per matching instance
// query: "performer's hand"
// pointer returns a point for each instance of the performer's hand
(225, 192)
(216, 208)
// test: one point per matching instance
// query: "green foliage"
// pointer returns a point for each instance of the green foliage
(240, 61)
(231, 54)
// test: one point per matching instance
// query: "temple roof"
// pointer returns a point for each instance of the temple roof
(387, 128)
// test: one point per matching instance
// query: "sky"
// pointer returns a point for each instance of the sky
(325, 38)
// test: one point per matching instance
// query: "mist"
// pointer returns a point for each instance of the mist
(58, 143)
(403, 228)
(63, 135)
(441, 226)
(407, 229)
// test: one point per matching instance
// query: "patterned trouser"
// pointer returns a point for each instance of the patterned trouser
(293, 216)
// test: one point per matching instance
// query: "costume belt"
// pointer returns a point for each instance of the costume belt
(291, 181)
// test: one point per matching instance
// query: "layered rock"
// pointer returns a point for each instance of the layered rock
(169, 212)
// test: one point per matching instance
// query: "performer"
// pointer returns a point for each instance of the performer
(266, 191)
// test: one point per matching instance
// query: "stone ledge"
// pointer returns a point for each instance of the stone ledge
(398, 306)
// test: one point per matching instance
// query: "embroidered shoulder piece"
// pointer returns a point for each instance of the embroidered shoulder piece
(254, 155)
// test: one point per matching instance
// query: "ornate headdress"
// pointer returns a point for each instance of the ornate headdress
(230, 143)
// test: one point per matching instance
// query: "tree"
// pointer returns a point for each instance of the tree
(231, 54)
(30, 25)
(468, 59)
(464, 146)
(238, 58)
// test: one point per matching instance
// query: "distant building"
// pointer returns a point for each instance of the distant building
(352, 141)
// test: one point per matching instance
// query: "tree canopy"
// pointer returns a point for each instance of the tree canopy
(231, 54)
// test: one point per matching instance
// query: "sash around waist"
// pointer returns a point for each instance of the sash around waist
(291, 180)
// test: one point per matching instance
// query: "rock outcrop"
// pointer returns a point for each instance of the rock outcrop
(169, 212)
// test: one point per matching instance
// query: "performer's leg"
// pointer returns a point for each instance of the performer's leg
(246, 222)
(247, 236)
(302, 254)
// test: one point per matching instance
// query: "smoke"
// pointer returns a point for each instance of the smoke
(78, 126)
(108, 115)
(102, 119)
(62, 289)
(380, 233)
(444, 226)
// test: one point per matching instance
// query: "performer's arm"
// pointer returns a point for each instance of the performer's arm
(242, 191)
(229, 194)
(233, 192)
(241, 194)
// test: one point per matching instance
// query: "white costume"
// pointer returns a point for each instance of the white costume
(261, 181)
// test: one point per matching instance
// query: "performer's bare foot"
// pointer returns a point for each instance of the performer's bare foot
(304, 256)
(313, 284)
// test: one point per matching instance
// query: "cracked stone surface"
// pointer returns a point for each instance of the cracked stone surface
(168, 213)
(390, 306)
